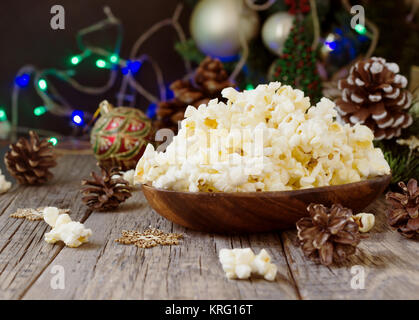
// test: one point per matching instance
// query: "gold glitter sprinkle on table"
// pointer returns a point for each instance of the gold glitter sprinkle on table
(33, 214)
(151, 237)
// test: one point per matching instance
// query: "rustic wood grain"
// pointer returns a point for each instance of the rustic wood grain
(390, 262)
(103, 269)
(257, 211)
(23, 253)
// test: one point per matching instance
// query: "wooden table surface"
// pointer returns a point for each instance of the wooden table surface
(104, 269)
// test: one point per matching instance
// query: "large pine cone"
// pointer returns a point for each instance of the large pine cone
(328, 235)
(106, 191)
(374, 94)
(210, 79)
(29, 161)
(403, 214)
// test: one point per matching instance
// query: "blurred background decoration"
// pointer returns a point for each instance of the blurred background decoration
(219, 27)
(132, 53)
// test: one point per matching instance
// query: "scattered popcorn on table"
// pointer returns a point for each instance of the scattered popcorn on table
(72, 233)
(129, 176)
(241, 263)
(365, 221)
(4, 184)
(266, 139)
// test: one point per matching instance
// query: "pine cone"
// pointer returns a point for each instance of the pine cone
(328, 235)
(209, 80)
(403, 214)
(106, 191)
(170, 112)
(374, 94)
(29, 161)
(211, 77)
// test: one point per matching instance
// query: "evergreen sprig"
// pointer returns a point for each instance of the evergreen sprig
(189, 51)
(403, 162)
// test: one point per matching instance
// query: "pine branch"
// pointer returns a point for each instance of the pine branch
(189, 51)
(404, 164)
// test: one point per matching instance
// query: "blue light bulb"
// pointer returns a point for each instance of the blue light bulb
(77, 117)
(23, 80)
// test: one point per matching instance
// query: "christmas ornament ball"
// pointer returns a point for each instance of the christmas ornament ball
(217, 25)
(275, 31)
(120, 135)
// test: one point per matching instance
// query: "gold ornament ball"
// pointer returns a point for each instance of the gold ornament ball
(275, 31)
(217, 25)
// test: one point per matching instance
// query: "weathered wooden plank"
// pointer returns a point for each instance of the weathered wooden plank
(23, 253)
(390, 263)
(104, 269)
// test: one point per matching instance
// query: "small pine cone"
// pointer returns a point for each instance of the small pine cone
(29, 161)
(328, 235)
(374, 94)
(211, 76)
(171, 111)
(185, 93)
(167, 108)
(209, 80)
(106, 191)
(403, 214)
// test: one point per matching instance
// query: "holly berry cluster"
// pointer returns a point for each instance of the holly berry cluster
(298, 6)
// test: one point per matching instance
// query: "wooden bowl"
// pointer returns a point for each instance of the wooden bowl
(257, 211)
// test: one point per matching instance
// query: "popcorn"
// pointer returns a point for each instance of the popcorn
(50, 215)
(4, 184)
(129, 176)
(365, 221)
(243, 271)
(126, 175)
(241, 263)
(72, 233)
(266, 139)
(261, 262)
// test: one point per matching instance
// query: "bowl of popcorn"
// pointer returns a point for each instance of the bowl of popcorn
(255, 162)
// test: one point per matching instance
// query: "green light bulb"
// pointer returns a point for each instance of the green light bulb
(39, 111)
(42, 84)
(114, 58)
(53, 140)
(75, 59)
(3, 115)
(249, 86)
(360, 29)
(100, 63)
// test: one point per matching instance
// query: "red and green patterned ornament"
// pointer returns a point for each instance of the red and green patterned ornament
(120, 135)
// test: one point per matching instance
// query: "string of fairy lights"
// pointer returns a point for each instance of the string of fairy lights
(55, 103)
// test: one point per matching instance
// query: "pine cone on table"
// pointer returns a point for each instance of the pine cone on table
(105, 191)
(328, 235)
(374, 94)
(209, 80)
(29, 161)
(403, 214)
